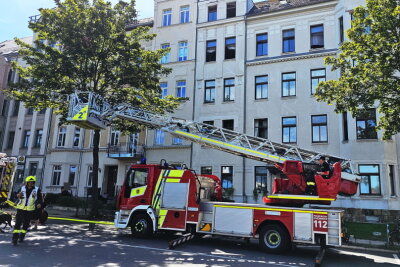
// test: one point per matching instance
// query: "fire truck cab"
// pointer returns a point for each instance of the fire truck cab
(155, 198)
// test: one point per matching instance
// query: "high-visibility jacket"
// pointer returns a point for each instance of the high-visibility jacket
(28, 202)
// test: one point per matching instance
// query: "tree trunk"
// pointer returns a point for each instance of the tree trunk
(95, 180)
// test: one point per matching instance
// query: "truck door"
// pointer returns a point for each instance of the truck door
(173, 206)
(136, 189)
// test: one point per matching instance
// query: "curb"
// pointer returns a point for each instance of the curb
(369, 249)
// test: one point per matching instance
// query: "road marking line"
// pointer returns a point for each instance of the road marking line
(183, 252)
(396, 258)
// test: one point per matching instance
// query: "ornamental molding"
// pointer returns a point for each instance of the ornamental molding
(292, 57)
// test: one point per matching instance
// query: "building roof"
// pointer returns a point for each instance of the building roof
(270, 6)
(142, 22)
(10, 46)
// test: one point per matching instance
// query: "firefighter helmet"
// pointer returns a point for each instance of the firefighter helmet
(30, 179)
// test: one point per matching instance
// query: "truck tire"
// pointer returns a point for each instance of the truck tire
(273, 238)
(141, 226)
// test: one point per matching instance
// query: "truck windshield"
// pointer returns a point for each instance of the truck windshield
(137, 177)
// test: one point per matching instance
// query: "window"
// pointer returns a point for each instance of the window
(231, 10)
(56, 175)
(176, 141)
(345, 127)
(77, 135)
(90, 176)
(38, 138)
(209, 96)
(16, 108)
(29, 111)
(288, 44)
(206, 170)
(10, 140)
(42, 111)
(228, 124)
(212, 13)
(72, 174)
(4, 108)
(33, 168)
(289, 130)
(159, 137)
(62, 131)
(262, 44)
(209, 122)
(181, 89)
(317, 76)
(229, 89)
(25, 140)
(167, 14)
(135, 178)
(392, 180)
(211, 51)
(183, 51)
(341, 30)
(164, 90)
(370, 179)
(227, 177)
(261, 128)
(366, 126)
(319, 128)
(230, 48)
(11, 75)
(317, 36)
(261, 174)
(165, 57)
(114, 137)
(262, 87)
(289, 84)
(184, 18)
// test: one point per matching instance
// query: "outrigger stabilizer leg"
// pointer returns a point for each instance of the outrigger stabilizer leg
(180, 240)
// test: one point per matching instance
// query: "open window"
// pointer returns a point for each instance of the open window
(135, 178)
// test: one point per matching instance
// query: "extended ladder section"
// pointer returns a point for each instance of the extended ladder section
(90, 111)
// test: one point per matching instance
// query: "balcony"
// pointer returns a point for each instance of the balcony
(124, 150)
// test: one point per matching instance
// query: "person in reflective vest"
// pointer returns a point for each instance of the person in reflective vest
(29, 198)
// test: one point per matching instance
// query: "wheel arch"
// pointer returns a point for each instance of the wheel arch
(147, 210)
(273, 222)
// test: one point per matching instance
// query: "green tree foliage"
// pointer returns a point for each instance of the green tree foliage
(83, 45)
(369, 64)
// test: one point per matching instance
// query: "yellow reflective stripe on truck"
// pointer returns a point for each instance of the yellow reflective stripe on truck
(232, 146)
(286, 210)
(171, 180)
(175, 173)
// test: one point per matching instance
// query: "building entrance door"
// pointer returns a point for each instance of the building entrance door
(111, 180)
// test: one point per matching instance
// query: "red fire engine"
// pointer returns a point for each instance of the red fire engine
(156, 197)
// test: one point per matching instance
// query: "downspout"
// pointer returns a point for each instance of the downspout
(194, 80)
(244, 105)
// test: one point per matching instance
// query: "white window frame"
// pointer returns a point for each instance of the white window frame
(56, 174)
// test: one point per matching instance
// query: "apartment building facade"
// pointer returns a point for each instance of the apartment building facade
(257, 67)
(23, 131)
(249, 67)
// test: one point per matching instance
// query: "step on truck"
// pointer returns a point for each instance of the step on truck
(156, 197)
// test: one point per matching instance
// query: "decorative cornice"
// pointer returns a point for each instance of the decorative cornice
(292, 57)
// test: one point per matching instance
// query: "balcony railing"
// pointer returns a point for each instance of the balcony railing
(124, 150)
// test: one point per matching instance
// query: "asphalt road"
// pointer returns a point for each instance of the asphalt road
(59, 244)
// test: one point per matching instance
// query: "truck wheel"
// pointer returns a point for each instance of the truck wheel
(274, 238)
(141, 226)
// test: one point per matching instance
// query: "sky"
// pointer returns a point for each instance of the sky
(14, 15)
